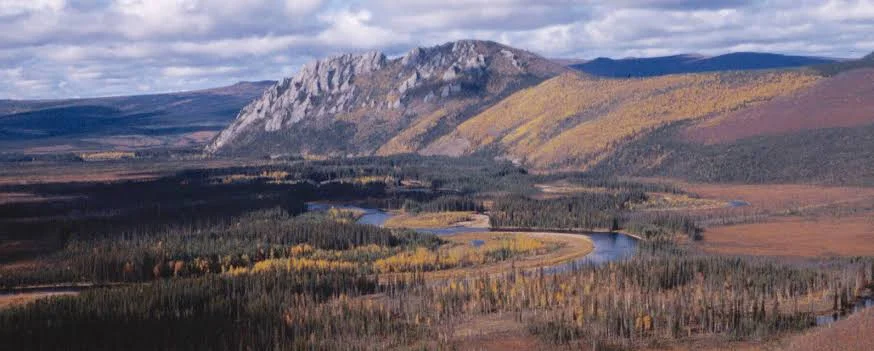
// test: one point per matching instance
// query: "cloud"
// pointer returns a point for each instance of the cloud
(189, 71)
(63, 48)
(680, 4)
(18, 7)
(355, 30)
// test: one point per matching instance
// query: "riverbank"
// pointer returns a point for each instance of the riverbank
(22, 295)
(434, 220)
(571, 248)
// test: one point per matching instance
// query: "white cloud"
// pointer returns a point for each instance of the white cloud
(256, 45)
(19, 7)
(301, 7)
(55, 48)
(144, 18)
(355, 30)
(189, 71)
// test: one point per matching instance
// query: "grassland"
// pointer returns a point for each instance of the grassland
(109, 171)
(786, 220)
(796, 236)
(437, 220)
(13, 300)
(853, 333)
(782, 198)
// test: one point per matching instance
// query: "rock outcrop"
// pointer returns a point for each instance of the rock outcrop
(354, 103)
(324, 86)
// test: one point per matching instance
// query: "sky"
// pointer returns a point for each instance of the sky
(85, 48)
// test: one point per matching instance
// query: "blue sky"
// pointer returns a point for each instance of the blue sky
(83, 48)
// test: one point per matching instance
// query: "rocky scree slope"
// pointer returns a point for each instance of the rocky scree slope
(368, 104)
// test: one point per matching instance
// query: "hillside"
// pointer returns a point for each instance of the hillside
(573, 122)
(123, 123)
(824, 134)
(359, 104)
(679, 64)
(846, 100)
(483, 98)
(838, 67)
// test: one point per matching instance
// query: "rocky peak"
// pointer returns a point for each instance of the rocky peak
(370, 85)
(290, 100)
(334, 74)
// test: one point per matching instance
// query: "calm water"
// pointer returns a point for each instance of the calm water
(371, 216)
(738, 203)
(608, 246)
(831, 318)
(49, 289)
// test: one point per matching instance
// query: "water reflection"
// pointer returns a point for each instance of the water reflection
(370, 216)
(608, 246)
(831, 318)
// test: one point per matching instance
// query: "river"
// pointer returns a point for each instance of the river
(608, 246)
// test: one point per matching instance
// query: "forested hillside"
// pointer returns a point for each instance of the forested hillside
(838, 156)
(574, 122)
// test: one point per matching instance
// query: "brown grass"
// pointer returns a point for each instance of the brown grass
(790, 220)
(61, 172)
(851, 334)
(677, 202)
(7, 301)
(495, 332)
(795, 237)
(564, 189)
(434, 220)
(783, 197)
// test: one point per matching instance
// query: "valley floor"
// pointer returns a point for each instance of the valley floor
(785, 220)
(796, 237)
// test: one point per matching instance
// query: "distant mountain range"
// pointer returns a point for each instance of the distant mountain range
(122, 123)
(678, 64)
(752, 120)
(758, 118)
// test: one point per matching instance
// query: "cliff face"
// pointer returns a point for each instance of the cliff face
(366, 103)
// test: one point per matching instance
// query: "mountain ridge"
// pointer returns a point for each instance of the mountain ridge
(368, 104)
(369, 96)
(693, 63)
(187, 119)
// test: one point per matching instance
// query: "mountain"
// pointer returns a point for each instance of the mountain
(366, 103)
(844, 66)
(568, 61)
(678, 64)
(821, 134)
(843, 101)
(575, 122)
(486, 99)
(122, 123)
